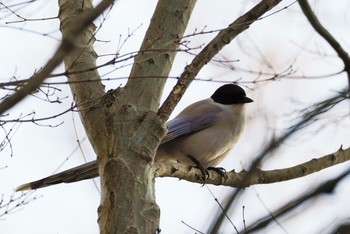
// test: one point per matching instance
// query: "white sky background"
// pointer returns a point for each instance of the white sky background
(283, 39)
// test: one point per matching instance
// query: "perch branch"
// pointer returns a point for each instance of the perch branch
(240, 179)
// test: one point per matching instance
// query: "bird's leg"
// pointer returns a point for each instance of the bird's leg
(200, 167)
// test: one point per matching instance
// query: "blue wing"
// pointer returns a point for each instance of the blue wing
(193, 119)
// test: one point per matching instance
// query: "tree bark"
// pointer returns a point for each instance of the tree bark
(122, 125)
(87, 95)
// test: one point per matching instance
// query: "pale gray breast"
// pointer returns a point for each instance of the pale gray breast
(210, 145)
(213, 143)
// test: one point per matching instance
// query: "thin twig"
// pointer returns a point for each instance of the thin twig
(315, 23)
(66, 46)
(224, 37)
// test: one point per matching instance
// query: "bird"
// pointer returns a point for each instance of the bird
(201, 135)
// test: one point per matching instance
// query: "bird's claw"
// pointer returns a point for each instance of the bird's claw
(220, 170)
(204, 172)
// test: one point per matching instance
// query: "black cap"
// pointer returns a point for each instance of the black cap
(230, 94)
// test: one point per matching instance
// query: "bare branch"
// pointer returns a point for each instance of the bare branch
(14, 203)
(224, 37)
(325, 188)
(257, 176)
(315, 23)
(23, 19)
(66, 46)
(182, 171)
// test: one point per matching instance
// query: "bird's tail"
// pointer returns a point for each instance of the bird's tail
(82, 172)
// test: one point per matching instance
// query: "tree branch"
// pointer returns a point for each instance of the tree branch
(240, 179)
(315, 23)
(224, 37)
(65, 47)
(192, 174)
(134, 130)
(324, 188)
(157, 53)
(87, 95)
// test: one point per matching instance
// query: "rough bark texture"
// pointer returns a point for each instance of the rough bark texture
(130, 165)
(87, 95)
(122, 126)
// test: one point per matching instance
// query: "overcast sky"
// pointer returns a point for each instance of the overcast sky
(280, 43)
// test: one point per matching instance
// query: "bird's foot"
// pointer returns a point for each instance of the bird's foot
(204, 171)
(220, 170)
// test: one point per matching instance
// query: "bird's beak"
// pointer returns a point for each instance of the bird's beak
(246, 100)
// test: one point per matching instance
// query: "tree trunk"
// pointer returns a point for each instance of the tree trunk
(122, 125)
